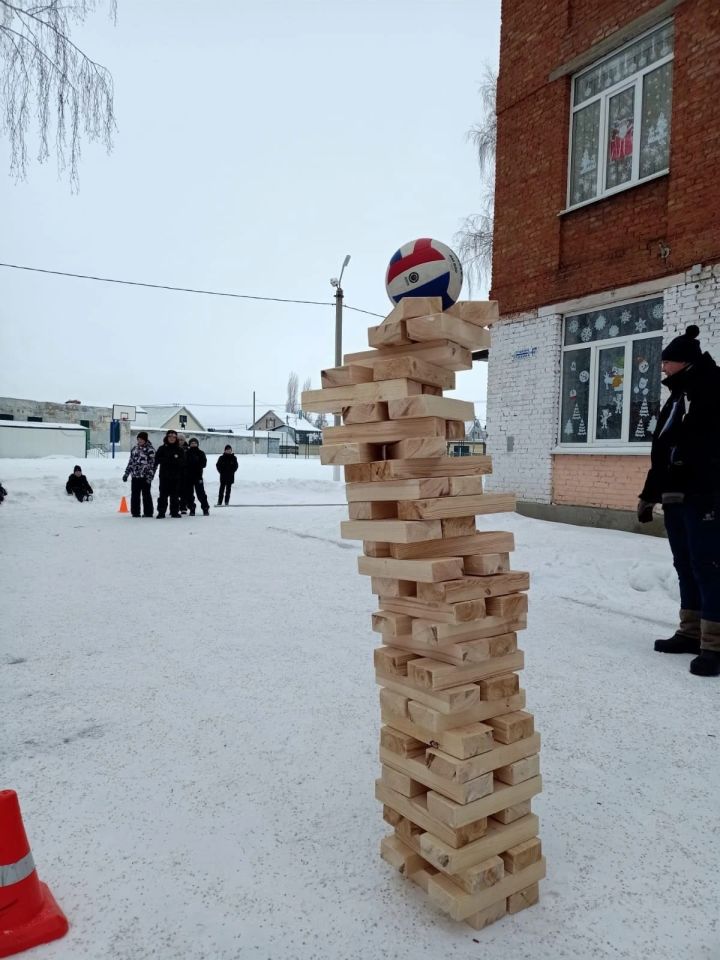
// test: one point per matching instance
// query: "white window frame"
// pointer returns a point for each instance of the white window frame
(636, 81)
(595, 346)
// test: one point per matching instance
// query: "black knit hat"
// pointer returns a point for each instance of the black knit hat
(685, 348)
(193, 440)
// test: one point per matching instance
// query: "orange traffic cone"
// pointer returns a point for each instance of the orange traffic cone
(123, 508)
(29, 914)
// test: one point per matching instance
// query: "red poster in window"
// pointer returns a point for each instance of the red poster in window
(621, 140)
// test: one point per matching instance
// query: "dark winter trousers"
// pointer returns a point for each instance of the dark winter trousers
(693, 529)
(81, 495)
(170, 489)
(196, 488)
(225, 488)
(140, 487)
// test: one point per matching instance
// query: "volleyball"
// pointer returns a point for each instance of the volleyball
(424, 268)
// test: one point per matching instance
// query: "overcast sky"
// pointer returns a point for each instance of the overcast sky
(258, 143)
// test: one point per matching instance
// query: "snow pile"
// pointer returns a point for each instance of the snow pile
(190, 719)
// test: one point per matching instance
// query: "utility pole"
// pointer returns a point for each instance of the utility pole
(338, 335)
(253, 423)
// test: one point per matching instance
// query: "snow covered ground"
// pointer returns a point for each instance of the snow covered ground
(190, 719)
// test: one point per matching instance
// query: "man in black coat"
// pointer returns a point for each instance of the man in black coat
(77, 483)
(195, 463)
(685, 477)
(227, 468)
(170, 461)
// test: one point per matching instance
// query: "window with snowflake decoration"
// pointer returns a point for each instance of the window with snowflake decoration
(620, 118)
(611, 374)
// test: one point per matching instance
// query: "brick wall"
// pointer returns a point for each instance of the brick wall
(523, 404)
(597, 481)
(544, 258)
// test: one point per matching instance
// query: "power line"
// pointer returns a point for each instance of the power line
(165, 286)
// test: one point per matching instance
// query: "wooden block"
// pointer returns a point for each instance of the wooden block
(401, 783)
(387, 334)
(372, 511)
(459, 905)
(499, 687)
(522, 855)
(333, 399)
(461, 793)
(467, 652)
(457, 526)
(365, 413)
(523, 898)
(419, 447)
(438, 508)
(431, 391)
(410, 307)
(388, 431)
(455, 430)
(394, 490)
(513, 813)
(483, 918)
(436, 675)
(466, 486)
(467, 610)
(389, 587)
(415, 570)
(513, 726)
(400, 744)
(435, 728)
(373, 548)
(456, 814)
(391, 661)
(438, 467)
(481, 312)
(415, 810)
(520, 770)
(341, 453)
(391, 816)
(443, 353)
(357, 472)
(400, 856)
(431, 406)
(453, 860)
(456, 700)
(481, 875)
(471, 588)
(413, 368)
(390, 625)
(511, 605)
(408, 831)
(460, 771)
(445, 327)
(345, 376)
(459, 742)
(478, 543)
(486, 566)
(391, 531)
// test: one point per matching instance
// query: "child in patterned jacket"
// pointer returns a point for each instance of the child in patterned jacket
(141, 467)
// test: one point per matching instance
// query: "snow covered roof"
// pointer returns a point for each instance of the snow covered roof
(158, 415)
(298, 422)
(44, 425)
(220, 417)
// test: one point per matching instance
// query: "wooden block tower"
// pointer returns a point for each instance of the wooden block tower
(459, 752)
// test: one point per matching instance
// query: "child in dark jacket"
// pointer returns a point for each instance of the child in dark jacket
(77, 483)
(227, 467)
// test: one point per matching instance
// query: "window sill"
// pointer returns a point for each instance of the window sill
(637, 450)
(613, 193)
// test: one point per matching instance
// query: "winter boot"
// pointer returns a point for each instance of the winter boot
(708, 663)
(686, 638)
(206, 511)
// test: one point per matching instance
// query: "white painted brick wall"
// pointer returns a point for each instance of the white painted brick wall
(523, 402)
(524, 394)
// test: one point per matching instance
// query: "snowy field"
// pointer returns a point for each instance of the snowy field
(190, 719)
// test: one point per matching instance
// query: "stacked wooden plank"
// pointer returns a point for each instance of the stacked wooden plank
(459, 753)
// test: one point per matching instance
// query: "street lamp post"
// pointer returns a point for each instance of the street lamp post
(337, 283)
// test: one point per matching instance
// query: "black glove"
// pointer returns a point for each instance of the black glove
(125, 479)
(644, 511)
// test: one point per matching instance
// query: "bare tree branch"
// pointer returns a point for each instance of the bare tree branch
(291, 404)
(43, 71)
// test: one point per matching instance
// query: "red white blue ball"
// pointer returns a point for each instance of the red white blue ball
(424, 268)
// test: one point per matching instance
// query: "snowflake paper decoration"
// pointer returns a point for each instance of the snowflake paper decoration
(600, 323)
(613, 330)
(657, 311)
(625, 316)
(573, 325)
(640, 325)
(585, 334)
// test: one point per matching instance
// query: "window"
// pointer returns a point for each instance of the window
(611, 374)
(7, 416)
(620, 122)
(34, 419)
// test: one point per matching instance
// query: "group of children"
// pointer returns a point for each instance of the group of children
(179, 464)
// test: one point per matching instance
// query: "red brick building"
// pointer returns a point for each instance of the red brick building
(607, 235)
